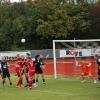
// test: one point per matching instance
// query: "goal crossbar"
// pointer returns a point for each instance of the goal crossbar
(89, 40)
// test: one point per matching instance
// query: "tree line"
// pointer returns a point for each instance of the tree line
(41, 21)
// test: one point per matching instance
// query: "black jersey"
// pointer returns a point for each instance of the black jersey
(38, 64)
(4, 68)
(98, 61)
(0, 64)
(4, 65)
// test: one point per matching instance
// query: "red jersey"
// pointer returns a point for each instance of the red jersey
(86, 67)
(20, 60)
(82, 65)
(29, 64)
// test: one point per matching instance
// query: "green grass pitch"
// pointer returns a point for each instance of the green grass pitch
(59, 89)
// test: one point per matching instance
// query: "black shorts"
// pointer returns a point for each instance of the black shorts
(38, 70)
(0, 71)
(98, 72)
(5, 73)
(26, 70)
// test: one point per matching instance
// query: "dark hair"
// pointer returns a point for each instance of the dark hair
(28, 54)
(37, 56)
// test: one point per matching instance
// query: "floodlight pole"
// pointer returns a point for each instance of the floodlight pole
(54, 59)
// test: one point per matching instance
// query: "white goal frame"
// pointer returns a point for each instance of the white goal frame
(54, 50)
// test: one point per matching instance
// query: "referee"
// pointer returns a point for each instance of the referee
(5, 71)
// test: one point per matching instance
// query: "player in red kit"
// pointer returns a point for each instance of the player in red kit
(19, 70)
(86, 70)
(26, 70)
(31, 71)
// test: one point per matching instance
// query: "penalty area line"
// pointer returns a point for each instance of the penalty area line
(53, 92)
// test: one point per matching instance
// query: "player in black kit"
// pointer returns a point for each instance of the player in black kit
(5, 71)
(98, 63)
(39, 65)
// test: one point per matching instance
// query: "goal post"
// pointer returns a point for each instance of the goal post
(75, 45)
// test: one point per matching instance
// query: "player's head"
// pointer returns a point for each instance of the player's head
(97, 56)
(37, 57)
(28, 55)
(18, 55)
(41, 56)
(3, 59)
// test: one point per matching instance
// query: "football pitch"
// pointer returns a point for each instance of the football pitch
(59, 89)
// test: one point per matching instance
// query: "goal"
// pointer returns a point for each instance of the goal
(68, 53)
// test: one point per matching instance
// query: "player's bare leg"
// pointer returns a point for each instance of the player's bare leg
(99, 77)
(36, 77)
(3, 81)
(29, 84)
(9, 81)
(20, 81)
(83, 79)
(34, 82)
(92, 78)
(43, 78)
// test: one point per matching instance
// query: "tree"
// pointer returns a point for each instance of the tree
(95, 27)
(61, 20)
(41, 21)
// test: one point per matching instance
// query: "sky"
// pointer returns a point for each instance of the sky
(17, 0)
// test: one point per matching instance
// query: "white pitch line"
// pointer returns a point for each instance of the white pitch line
(62, 94)
(52, 92)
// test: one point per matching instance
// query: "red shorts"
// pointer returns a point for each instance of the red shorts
(87, 74)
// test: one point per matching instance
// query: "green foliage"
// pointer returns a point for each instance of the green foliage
(61, 20)
(41, 21)
(95, 27)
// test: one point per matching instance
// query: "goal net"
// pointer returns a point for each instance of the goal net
(68, 53)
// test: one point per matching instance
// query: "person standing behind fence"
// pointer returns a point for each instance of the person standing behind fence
(98, 63)
(5, 71)
(39, 65)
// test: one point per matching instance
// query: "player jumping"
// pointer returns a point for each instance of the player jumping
(31, 71)
(19, 70)
(39, 65)
(86, 67)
